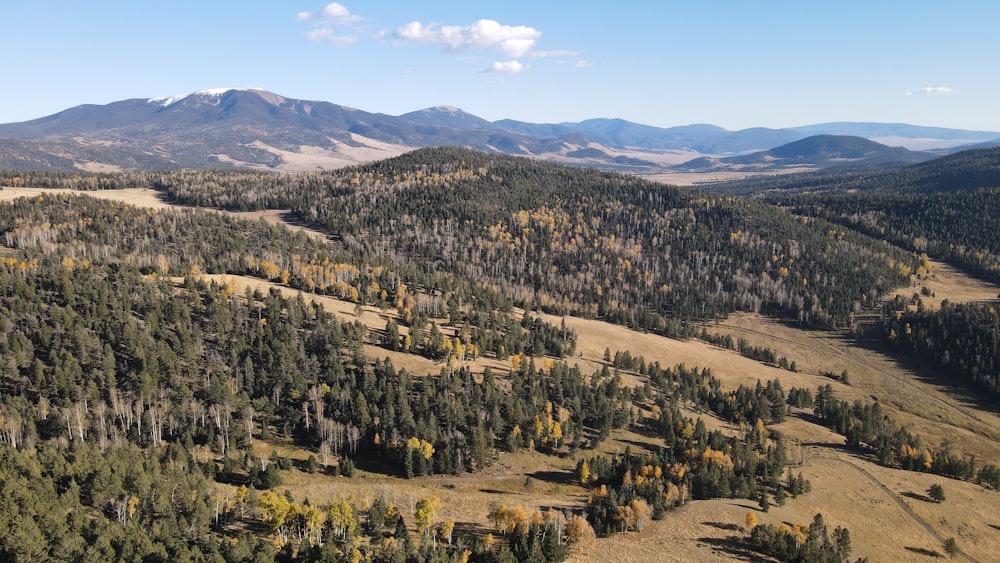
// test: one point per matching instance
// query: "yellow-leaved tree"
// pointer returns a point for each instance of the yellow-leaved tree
(424, 513)
(275, 509)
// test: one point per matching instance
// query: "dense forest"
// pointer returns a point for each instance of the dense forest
(560, 239)
(108, 355)
(957, 227)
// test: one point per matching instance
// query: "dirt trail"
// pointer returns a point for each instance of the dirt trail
(818, 452)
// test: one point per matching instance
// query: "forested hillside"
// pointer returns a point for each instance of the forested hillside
(958, 227)
(966, 170)
(573, 241)
(108, 367)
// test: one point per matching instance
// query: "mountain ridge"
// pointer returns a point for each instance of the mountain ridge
(254, 127)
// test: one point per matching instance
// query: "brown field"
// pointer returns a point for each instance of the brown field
(679, 178)
(885, 509)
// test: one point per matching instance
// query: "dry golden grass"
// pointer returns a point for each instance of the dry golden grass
(947, 282)
(912, 393)
(677, 178)
(465, 498)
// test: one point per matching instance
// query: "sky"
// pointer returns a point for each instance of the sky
(736, 64)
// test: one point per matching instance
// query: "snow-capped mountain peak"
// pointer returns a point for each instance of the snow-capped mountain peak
(167, 101)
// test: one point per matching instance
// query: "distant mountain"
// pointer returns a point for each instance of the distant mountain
(618, 132)
(902, 130)
(818, 151)
(706, 139)
(447, 116)
(28, 155)
(535, 129)
(261, 129)
(237, 127)
(755, 138)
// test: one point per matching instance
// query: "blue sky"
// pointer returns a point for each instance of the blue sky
(736, 64)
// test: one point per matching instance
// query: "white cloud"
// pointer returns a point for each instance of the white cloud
(333, 24)
(511, 41)
(931, 90)
(332, 14)
(508, 67)
(582, 64)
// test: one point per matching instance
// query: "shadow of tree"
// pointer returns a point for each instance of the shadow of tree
(468, 529)
(917, 496)
(499, 492)
(923, 551)
(557, 477)
(732, 548)
(729, 527)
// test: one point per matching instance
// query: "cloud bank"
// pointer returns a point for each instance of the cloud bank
(511, 41)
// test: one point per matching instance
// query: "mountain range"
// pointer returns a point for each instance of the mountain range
(260, 129)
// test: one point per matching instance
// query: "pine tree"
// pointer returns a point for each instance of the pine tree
(936, 493)
(951, 547)
(765, 503)
(583, 471)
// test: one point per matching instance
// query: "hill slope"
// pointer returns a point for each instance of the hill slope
(966, 170)
(574, 241)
